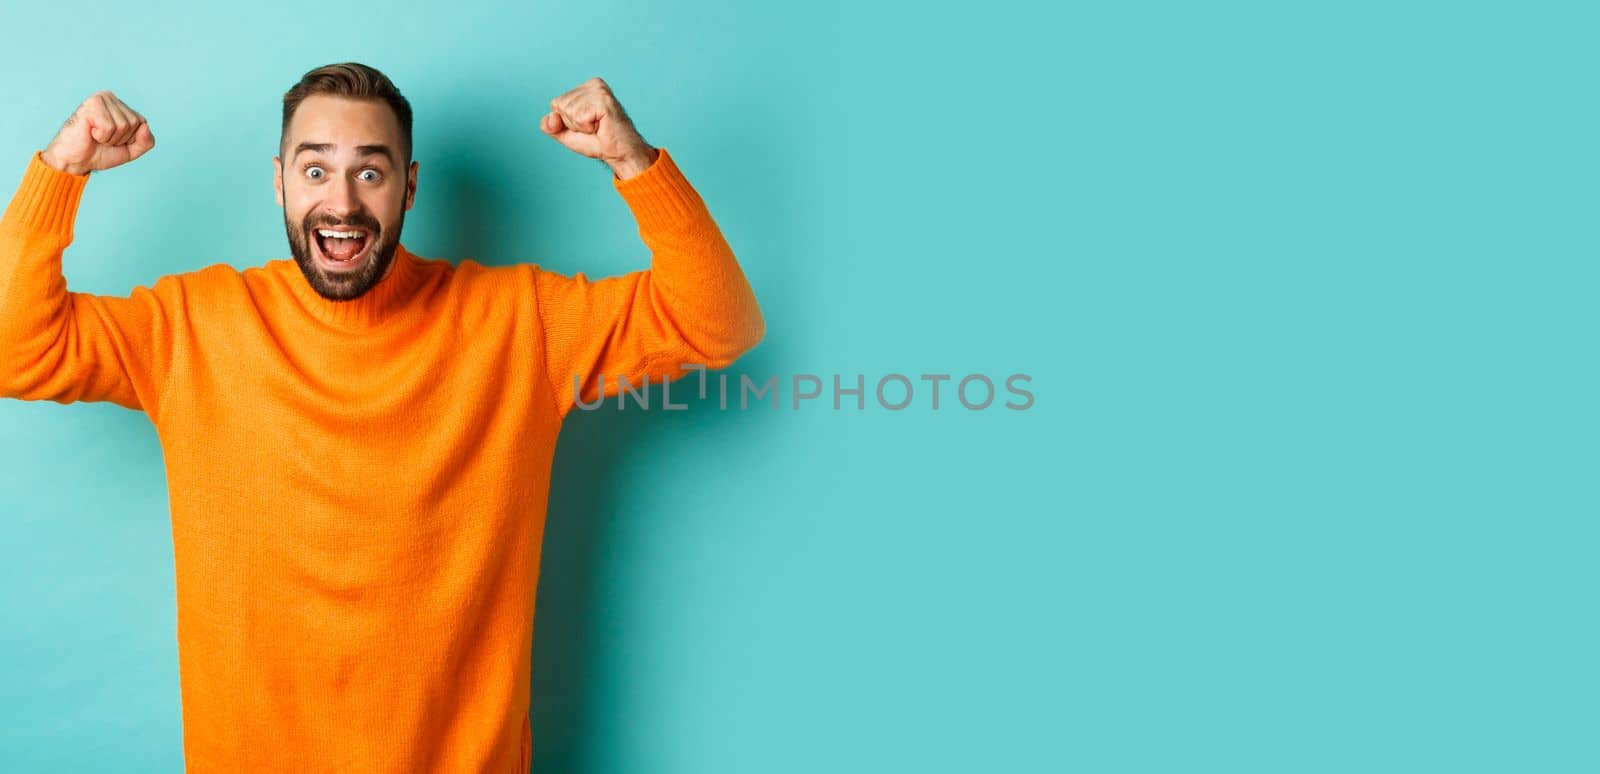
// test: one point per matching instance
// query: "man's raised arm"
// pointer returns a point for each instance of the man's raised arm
(60, 345)
(693, 305)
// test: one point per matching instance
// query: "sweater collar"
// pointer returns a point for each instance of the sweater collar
(379, 303)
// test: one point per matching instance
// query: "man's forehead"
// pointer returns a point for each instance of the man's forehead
(333, 125)
(346, 118)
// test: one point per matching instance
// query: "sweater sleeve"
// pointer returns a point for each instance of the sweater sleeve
(65, 346)
(692, 306)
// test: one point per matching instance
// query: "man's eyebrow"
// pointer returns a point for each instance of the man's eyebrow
(314, 147)
(375, 150)
(361, 150)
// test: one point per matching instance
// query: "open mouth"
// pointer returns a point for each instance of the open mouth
(342, 248)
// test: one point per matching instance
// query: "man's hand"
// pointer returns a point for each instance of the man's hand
(590, 121)
(102, 133)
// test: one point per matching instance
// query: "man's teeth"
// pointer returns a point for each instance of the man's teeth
(339, 234)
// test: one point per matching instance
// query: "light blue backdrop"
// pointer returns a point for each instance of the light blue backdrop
(1304, 289)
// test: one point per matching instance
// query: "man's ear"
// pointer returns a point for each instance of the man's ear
(277, 178)
(411, 185)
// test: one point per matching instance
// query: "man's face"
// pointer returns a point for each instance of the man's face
(344, 192)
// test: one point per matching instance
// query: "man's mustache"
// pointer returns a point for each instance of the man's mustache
(360, 221)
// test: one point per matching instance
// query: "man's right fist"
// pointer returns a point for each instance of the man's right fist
(102, 133)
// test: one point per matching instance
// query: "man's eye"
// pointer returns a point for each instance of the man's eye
(315, 173)
(368, 174)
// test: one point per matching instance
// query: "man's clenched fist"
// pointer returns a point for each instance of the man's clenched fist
(102, 133)
(589, 120)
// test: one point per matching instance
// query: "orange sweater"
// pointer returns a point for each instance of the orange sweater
(358, 488)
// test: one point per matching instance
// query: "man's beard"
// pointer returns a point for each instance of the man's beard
(343, 286)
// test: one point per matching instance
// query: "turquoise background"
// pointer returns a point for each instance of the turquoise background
(1305, 291)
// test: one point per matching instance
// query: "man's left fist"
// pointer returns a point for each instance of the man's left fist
(590, 121)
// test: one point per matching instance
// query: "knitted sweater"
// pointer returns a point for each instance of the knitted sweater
(358, 488)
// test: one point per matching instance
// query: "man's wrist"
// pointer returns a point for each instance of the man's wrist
(52, 163)
(634, 163)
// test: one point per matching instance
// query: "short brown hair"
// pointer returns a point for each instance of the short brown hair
(355, 81)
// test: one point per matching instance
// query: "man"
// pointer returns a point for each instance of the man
(358, 441)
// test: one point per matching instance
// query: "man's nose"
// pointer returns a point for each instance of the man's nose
(342, 198)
